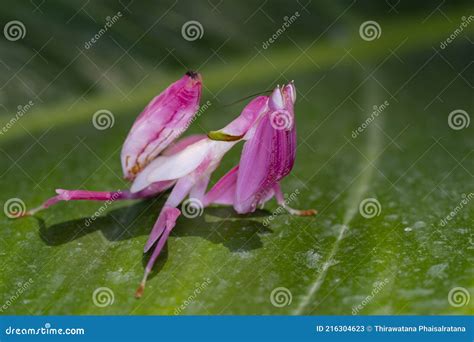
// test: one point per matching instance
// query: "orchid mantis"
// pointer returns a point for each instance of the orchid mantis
(267, 157)
(158, 125)
(191, 168)
(154, 163)
(164, 119)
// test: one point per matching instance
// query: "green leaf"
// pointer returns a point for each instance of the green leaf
(405, 162)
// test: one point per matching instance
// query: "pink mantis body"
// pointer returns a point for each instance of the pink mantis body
(164, 119)
(154, 164)
(158, 125)
(267, 157)
(191, 168)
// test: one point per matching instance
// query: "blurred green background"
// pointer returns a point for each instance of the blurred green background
(409, 157)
